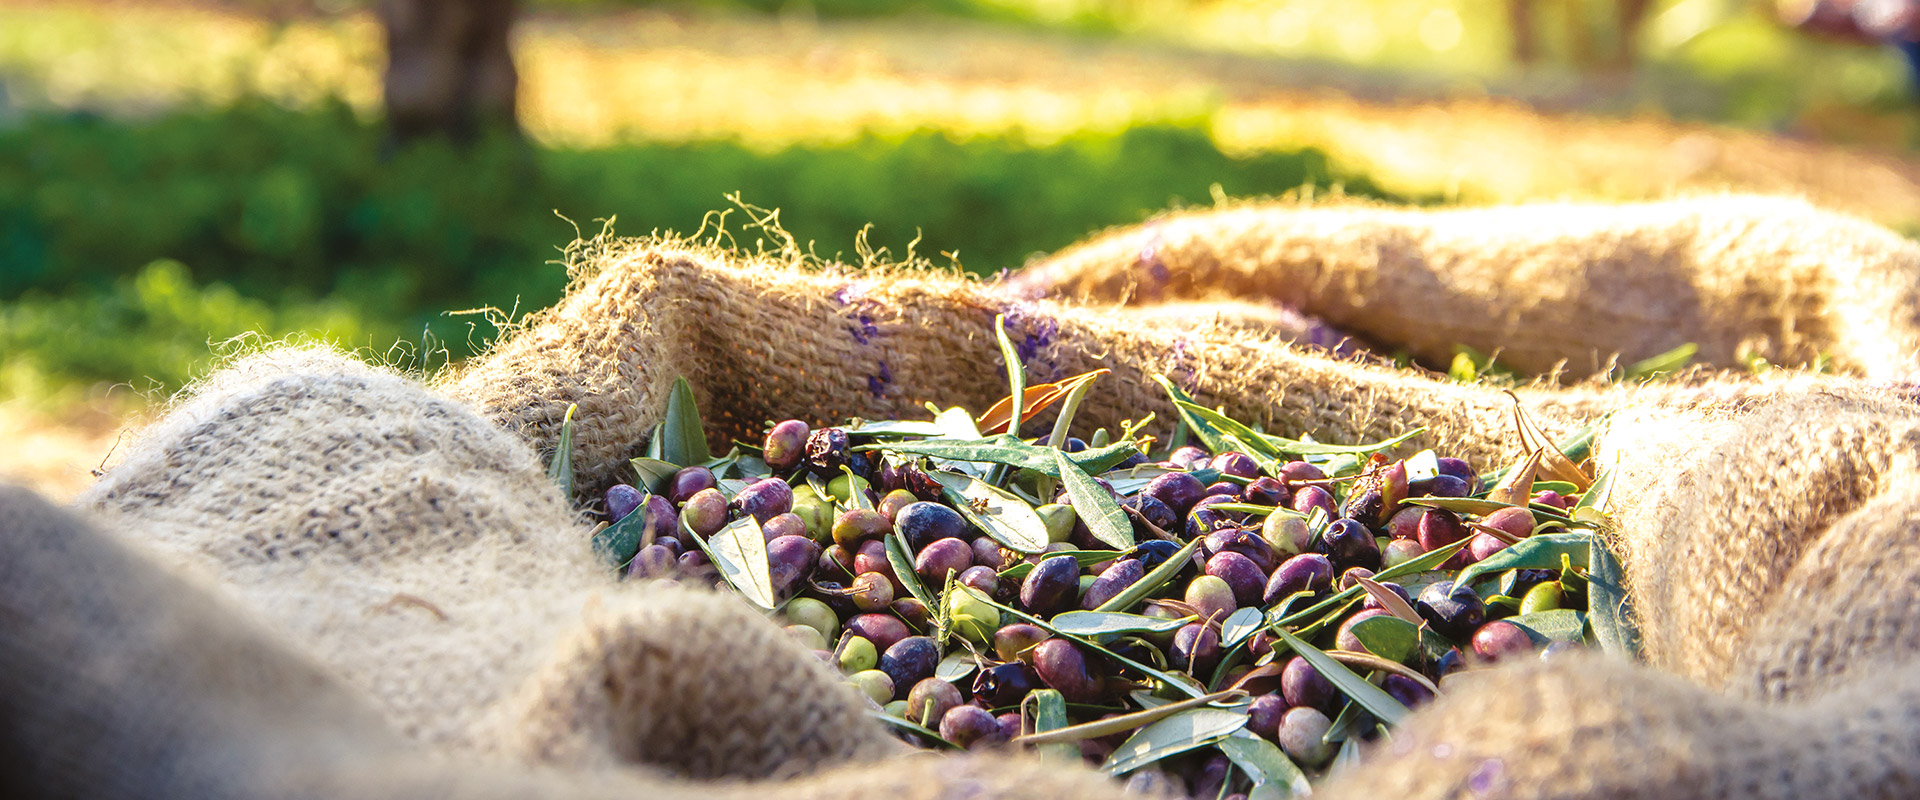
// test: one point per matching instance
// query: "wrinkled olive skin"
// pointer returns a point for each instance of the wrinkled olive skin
(1053, 583)
(1348, 544)
(827, 452)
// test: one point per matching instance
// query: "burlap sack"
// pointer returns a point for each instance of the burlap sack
(438, 626)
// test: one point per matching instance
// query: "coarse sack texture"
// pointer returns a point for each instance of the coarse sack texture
(318, 578)
(1540, 284)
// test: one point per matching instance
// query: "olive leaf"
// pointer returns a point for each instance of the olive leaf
(1095, 507)
(1483, 507)
(1184, 731)
(919, 730)
(1660, 364)
(1016, 374)
(560, 469)
(1209, 435)
(616, 544)
(902, 563)
(1597, 495)
(1050, 714)
(1106, 623)
(1346, 724)
(1391, 638)
(1076, 392)
(1552, 460)
(895, 427)
(1610, 610)
(653, 474)
(856, 496)
(1240, 625)
(1393, 603)
(1514, 489)
(1557, 625)
(1153, 580)
(1004, 449)
(958, 664)
(682, 440)
(1008, 519)
(739, 551)
(1561, 487)
(1356, 688)
(1543, 551)
(1266, 764)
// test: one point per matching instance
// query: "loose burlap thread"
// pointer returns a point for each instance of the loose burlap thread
(318, 578)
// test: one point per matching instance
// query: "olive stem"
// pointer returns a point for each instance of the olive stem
(1371, 661)
(1124, 722)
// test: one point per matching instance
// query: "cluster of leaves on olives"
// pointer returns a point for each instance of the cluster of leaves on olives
(1231, 618)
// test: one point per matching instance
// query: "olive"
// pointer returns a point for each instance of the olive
(1012, 642)
(871, 592)
(1302, 685)
(1400, 551)
(807, 637)
(1211, 597)
(857, 654)
(856, 525)
(1051, 585)
(1348, 543)
(1344, 638)
(1154, 782)
(787, 524)
(1153, 512)
(1267, 492)
(688, 482)
(763, 500)
(941, 557)
(1499, 642)
(1286, 533)
(1550, 498)
(621, 501)
(1178, 490)
(924, 523)
(1308, 498)
(705, 513)
(1390, 586)
(1188, 458)
(1303, 735)
(1060, 520)
(931, 699)
(1153, 552)
(785, 445)
(890, 505)
(1115, 579)
(910, 660)
(1239, 465)
(1196, 647)
(1438, 528)
(827, 452)
(1263, 715)
(912, 610)
(653, 561)
(988, 553)
(1241, 575)
(871, 556)
(1459, 468)
(1062, 666)
(1293, 471)
(1212, 777)
(790, 560)
(836, 563)
(1438, 486)
(1406, 690)
(812, 612)
(971, 727)
(1204, 521)
(1304, 572)
(1246, 542)
(1352, 576)
(882, 629)
(985, 579)
(1005, 684)
(876, 685)
(973, 618)
(1229, 491)
(1009, 724)
(1453, 612)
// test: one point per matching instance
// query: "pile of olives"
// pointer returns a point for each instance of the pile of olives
(880, 566)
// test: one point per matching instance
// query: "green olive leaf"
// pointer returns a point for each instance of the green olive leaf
(1267, 765)
(1006, 450)
(739, 551)
(560, 469)
(1558, 625)
(1050, 714)
(1356, 688)
(1008, 519)
(617, 544)
(897, 427)
(855, 497)
(682, 440)
(1153, 580)
(1240, 625)
(1184, 731)
(652, 474)
(1211, 436)
(1095, 507)
(1107, 623)
(902, 563)
(1610, 610)
(1016, 373)
(1388, 637)
(1534, 552)
(921, 731)
(958, 664)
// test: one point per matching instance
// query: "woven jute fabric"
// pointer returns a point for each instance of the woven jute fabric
(315, 577)
(1546, 285)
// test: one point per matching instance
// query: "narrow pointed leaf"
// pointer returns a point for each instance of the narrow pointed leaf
(1232, 431)
(1240, 625)
(1050, 714)
(1184, 686)
(958, 664)
(560, 469)
(1007, 450)
(1610, 609)
(902, 563)
(1016, 374)
(1356, 688)
(652, 474)
(1107, 623)
(1153, 580)
(1390, 601)
(1514, 489)
(616, 544)
(1558, 625)
(739, 551)
(1388, 637)
(1266, 764)
(897, 427)
(1534, 552)
(1303, 448)
(855, 497)
(1184, 731)
(1104, 518)
(922, 731)
(683, 440)
(1008, 519)
(1076, 392)
(1552, 461)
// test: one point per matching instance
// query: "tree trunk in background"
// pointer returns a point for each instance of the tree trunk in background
(449, 66)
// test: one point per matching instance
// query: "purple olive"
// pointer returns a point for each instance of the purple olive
(1453, 612)
(785, 445)
(1062, 666)
(941, 557)
(1351, 577)
(705, 513)
(1239, 465)
(1438, 486)
(1390, 586)
(982, 578)
(763, 500)
(788, 524)
(1246, 542)
(1294, 471)
(1012, 642)
(988, 553)
(925, 523)
(871, 592)
(1051, 585)
(1448, 663)
(621, 501)
(971, 727)
(1188, 457)
(1263, 715)
(1226, 489)
(1009, 724)
(688, 482)
(912, 610)
(1459, 468)
(1195, 648)
(1006, 684)
(1438, 528)
(931, 699)
(1115, 579)
(909, 661)
(1499, 642)
(1242, 576)
(1344, 638)
(692, 563)
(1406, 690)
(1302, 685)
(1551, 498)
(1155, 512)
(1516, 522)
(1405, 523)
(827, 452)
(1267, 492)
(790, 559)
(1207, 520)
(1303, 735)
(1304, 572)
(1308, 498)
(1483, 546)
(662, 522)
(882, 629)
(1347, 543)
(890, 505)
(1211, 777)
(1178, 490)
(653, 561)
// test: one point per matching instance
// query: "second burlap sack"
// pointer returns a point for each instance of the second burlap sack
(414, 550)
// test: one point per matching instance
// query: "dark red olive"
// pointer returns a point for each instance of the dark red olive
(1051, 585)
(785, 445)
(688, 482)
(1117, 577)
(1062, 666)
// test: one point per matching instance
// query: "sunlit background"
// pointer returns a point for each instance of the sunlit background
(177, 174)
